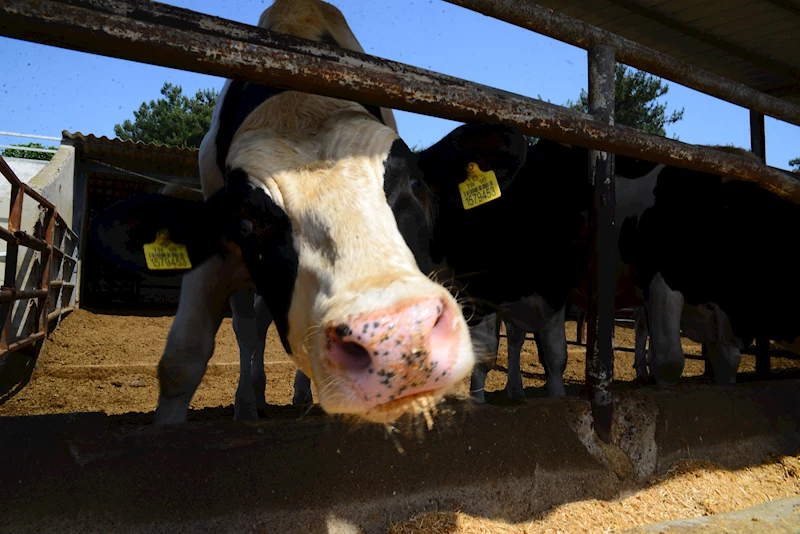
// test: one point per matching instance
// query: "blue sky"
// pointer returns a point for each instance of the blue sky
(46, 90)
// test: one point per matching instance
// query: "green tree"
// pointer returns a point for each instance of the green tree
(174, 120)
(795, 163)
(635, 101)
(29, 154)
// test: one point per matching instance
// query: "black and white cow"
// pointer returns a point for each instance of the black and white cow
(524, 255)
(693, 253)
(482, 245)
(315, 210)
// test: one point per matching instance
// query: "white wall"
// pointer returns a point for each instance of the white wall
(55, 182)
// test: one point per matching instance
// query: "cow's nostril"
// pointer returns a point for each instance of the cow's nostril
(350, 355)
(343, 331)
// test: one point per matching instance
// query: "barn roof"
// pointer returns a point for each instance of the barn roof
(115, 156)
(753, 42)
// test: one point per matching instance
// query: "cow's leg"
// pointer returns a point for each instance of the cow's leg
(190, 342)
(251, 351)
(302, 389)
(724, 360)
(263, 320)
(579, 323)
(640, 350)
(516, 338)
(553, 352)
(664, 307)
(485, 340)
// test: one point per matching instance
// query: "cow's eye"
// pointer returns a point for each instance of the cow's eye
(243, 228)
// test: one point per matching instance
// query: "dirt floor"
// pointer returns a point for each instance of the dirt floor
(690, 489)
(107, 363)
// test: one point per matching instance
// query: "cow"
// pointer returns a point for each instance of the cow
(548, 200)
(481, 245)
(690, 252)
(312, 207)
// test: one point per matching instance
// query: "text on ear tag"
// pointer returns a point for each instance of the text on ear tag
(163, 254)
(479, 187)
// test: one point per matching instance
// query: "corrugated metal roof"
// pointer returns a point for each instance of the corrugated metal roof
(158, 161)
(753, 42)
(137, 145)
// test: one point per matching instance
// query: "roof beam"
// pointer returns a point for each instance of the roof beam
(656, 16)
(792, 6)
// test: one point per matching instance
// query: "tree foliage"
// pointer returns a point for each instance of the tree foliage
(174, 120)
(795, 163)
(29, 154)
(635, 101)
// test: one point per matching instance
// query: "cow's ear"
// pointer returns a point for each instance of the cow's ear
(497, 148)
(156, 234)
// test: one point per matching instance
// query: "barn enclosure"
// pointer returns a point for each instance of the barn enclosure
(494, 455)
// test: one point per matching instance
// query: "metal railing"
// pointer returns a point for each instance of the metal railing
(29, 136)
(50, 228)
(158, 34)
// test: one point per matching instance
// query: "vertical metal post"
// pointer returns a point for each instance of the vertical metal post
(12, 257)
(603, 247)
(80, 223)
(707, 369)
(47, 258)
(758, 146)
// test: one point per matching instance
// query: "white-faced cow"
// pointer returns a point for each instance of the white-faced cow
(315, 210)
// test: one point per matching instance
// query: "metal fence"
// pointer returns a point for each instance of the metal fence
(55, 265)
(27, 148)
(163, 35)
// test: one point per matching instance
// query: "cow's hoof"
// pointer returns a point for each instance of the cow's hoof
(245, 414)
(516, 394)
(302, 400)
(478, 398)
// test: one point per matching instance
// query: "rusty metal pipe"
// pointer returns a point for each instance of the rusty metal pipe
(9, 295)
(294, 63)
(17, 345)
(7, 235)
(531, 16)
(603, 249)
(59, 312)
(26, 240)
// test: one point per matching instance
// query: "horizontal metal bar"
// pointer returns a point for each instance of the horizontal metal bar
(21, 344)
(61, 253)
(30, 148)
(35, 195)
(63, 224)
(32, 136)
(773, 353)
(60, 283)
(626, 349)
(26, 240)
(198, 45)
(59, 312)
(9, 295)
(7, 235)
(5, 170)
(531, 16)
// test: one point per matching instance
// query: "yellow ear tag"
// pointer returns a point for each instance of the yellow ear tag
(163, 254)
(479, 187)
